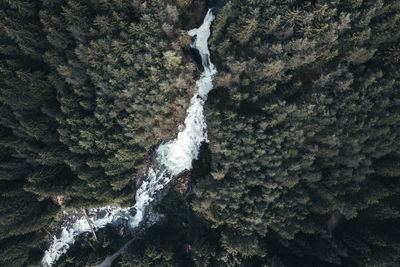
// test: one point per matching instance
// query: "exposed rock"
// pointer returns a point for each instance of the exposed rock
(59, 199)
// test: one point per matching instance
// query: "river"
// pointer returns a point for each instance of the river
(172, 158)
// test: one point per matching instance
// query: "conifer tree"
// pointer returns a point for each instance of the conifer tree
(300, 123)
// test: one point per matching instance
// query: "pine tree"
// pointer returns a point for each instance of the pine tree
(300, 122)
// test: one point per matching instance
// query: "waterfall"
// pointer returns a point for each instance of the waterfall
(172, 157)
(177, 155)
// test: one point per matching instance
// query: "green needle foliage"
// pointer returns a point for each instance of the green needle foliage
(303, 164)
(304, 132)
(86, 89)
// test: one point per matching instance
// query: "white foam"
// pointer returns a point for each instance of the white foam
(174, 157)
(60, 245)
(177, 155)
(157, 180)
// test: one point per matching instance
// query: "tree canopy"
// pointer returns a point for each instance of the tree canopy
(302, 165)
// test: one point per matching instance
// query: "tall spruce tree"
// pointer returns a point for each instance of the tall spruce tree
(118, 69)
(86, 89)
(303, 127)
(303, 163)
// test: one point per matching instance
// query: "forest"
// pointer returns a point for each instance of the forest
(302, 166)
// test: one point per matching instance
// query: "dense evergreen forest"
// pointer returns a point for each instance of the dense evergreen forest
(303, 162)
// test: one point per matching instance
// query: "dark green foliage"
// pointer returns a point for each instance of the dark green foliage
(23, 217)
(302, 168)
(86, 89)
(303, 124)
(121, 85)
(26, 133)
(183, 239)
(87, 252)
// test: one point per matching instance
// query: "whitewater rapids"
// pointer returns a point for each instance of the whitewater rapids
(173, 158)
(177, 155)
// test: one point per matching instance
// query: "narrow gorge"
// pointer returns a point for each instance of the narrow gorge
(171, 159)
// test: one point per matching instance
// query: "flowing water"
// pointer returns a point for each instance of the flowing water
(172, 157)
